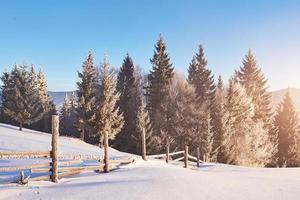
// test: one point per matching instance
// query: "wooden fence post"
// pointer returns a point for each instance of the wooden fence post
(186, 156)
(167, 153)
(54, 151)
(144, 144)
(106, 167)
(198, 157)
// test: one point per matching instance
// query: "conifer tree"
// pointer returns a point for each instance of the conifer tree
(23, 103)
(184, 122)
(201, 78)
(252, 78)
(216, 119)
(86, 97)
(48, 107)
(129, 103)
(64, 116)
(237, 121)
(109, 119)
(159, 81)
(143, 123)
(286, 130)
(245, 140)
(3, 94)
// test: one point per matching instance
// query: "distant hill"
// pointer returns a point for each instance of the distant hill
(58, 97)
(278, 95)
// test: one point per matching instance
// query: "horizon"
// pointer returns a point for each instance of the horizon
(57, 36)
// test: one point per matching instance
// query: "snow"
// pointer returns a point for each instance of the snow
(152, 179)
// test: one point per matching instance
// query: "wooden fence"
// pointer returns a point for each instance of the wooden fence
(175, 156)
(60, 165)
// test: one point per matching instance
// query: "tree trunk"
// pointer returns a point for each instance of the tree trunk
(21, 126)
(82, 134)
(167, 152)
(144, 144)
(198, 157)
(106, 169)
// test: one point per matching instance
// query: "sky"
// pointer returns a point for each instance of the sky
(56, 35)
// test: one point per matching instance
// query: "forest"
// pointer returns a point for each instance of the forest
(231, 122)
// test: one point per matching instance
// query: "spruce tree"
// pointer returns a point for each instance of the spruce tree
(86, 97)
(64, 116)
(48, 107)
(129, 103)
(245, 140)
(216, 119)
(3, 94)
(23, 103)
(109, 120)
(143, 123)
(252, 78)
(237, 120)
(286, 130)
(159, 81)
(201, 78)
(184, 122)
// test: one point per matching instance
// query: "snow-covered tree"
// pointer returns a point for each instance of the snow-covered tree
(252, 78)
(245, 141)
(237, 120)
(109, 119)
(68, 117)
(3, 96)
(143, 123)
(216, 119)
(86, 97)
(23, 103)
(259, 146)
(286, 130)
(184, 122)
(64, 116)
(48, 107)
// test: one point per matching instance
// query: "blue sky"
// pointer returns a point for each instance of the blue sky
(57, 35)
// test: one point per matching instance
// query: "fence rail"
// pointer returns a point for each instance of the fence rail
(185, 156)
(61, 165)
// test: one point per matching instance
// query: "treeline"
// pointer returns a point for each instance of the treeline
(231, 123)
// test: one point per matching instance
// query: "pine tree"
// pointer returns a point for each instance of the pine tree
(245, 141)
(64, 116)
(260, 150)
(159, 81)
(201, 78)
(48, 107)
(216, 119)
(129, 103)
(184, 122)
(86, 98)
(237, 120)
(252, 78)
(286, 130)
(143, 123)
(109, 119)
(23, 103)
(3, 94)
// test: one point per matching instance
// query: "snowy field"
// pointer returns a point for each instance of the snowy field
(153, 179)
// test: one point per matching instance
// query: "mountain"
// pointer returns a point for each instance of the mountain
(58, 97)
(278, 95)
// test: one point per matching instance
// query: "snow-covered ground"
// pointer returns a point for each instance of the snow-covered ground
(153, 179)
